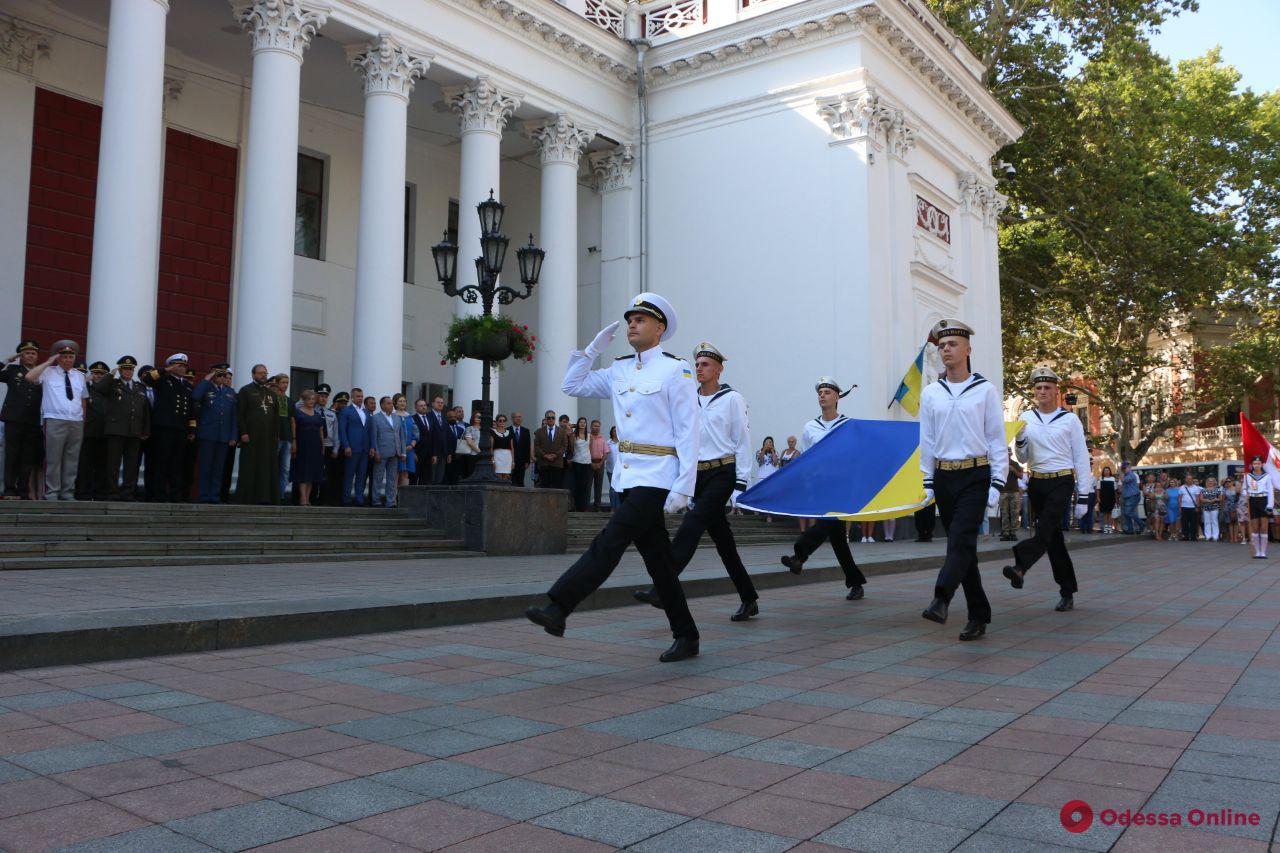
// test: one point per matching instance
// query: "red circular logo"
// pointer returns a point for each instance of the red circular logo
(1076, 816)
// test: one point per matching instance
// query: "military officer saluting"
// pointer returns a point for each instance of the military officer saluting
(21, 415)
(173, 424)
(827, 529)
(215, 403)
(91, 475)
(1053, 445)
(724, 459)
(127, 425)
(964, 459)
(656, 411)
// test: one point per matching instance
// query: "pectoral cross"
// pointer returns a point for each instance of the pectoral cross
(266, 406)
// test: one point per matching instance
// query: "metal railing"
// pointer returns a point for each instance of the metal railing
(1208, 438)
(666, 20)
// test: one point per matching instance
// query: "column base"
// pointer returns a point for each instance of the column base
(500, 520)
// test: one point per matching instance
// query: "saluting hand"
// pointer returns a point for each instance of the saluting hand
(603, 340)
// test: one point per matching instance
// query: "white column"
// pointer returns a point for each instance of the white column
(20, 46)
(905, 338)
(561, 141)
(483, 111)
(619, 235)
(996, 203)
(281, 31)
(389, 71)
(126, 219)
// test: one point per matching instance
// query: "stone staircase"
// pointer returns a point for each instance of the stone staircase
(83, 535)
(747, 530)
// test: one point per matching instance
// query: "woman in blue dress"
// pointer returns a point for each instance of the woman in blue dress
(409, 430)
(307, 451)
(1172, 511)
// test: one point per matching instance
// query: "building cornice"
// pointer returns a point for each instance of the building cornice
(593, 56)
(21, 44)
(890, 22)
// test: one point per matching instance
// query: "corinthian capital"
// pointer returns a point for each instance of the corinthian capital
(902, 136)
(858, 114)
(20, 46)
(994, 206)
(388, 67)
(281, 25)
(612, 168)
(560, 138)
(481, 106)
(974, 195)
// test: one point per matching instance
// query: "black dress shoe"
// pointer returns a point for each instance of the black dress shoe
(1015, 576)
(551, 618)
(745, 612)
(973, 630)
(682, 648)
(1065, 603)
(855, 594)
(795, 564)
(936, 611)
(647, 596)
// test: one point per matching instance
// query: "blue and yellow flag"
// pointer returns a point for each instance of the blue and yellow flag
(863, 471)
(908, 395)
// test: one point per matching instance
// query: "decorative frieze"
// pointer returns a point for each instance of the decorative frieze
(481, 106)
(21, 45)
(388, 67)
(933, 220)
(612, 168)
(281, 25)
(560, 138)
(864, 114)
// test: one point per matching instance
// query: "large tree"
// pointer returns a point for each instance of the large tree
(1145, 202)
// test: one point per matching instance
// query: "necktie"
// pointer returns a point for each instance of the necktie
(66, 378)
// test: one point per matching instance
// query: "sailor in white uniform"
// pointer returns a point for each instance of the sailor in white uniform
(724, 458)
(656, 411)
(826, 529)
(964, 459)
(1053, 446)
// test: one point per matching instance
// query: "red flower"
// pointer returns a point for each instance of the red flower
(526, 328)
(533, 337)
(442, 361)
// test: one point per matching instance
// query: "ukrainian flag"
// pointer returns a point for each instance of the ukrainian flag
(908, 395)
(863, 471)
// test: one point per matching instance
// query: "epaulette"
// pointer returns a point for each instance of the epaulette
(669, 355)
(625, 357)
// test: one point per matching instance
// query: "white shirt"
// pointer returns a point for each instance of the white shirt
(1260, 486)
(54, 404)
(725, 429)
(654, 402)
(1187, 496)
(1055, 442)
(818, 429)
(581, 451)
(962, 420)
(364, 416)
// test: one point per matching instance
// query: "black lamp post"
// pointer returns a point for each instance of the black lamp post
(493, 254)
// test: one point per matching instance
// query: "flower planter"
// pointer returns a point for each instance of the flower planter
(487, 346)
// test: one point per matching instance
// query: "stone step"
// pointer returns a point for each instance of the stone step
(263, 545)
(121, 528)
(132, 508)
(113, 561)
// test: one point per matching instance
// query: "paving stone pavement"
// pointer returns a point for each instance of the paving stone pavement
(822, 725)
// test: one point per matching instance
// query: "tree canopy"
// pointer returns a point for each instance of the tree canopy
(1144, 203)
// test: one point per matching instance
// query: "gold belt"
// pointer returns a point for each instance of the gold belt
(646, 449)
(716, 463)
(1049, 475)
(961, 464)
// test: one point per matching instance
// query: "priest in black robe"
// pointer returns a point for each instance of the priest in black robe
(258, 414)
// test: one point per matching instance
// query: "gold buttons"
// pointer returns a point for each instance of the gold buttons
(626, 464)
(628, 414)
(633, 387)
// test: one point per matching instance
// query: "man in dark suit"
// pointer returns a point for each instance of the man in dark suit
(457, 426)
(435, 444)
(549, 444)
(353, 441)
(421, 475)
(522, 448)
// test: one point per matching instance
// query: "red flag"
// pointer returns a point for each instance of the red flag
(1256, 444)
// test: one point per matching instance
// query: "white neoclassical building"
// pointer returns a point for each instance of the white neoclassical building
(809, 182)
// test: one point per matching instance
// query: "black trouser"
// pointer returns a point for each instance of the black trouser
(331, 493)
(925, 519)
(228, 466)
(830, 530)
(640, 520)
(166, 460)
(422, 463)
(126, 449)
(550, 477)
(712, 491)
(581, 486)
(962, 502)
(1190, 518)
(1049, 498)
(91, 470)
(21, 455)
(517, 474)
(597, 486)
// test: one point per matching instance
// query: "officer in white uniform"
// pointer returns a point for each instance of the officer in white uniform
(656, 411)
(724, 459)
(964, 459)
(826, 529)
(1053, 446)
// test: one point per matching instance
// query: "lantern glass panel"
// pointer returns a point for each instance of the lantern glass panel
(490, 215)
(494, 247)
(530, 258)
(445, 255)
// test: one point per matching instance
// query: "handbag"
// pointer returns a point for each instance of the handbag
(1142, 510)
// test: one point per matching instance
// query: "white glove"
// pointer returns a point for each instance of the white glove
(928, 495)
(1081, 509)
(993, 496)
(604, 340)
(675, 501)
